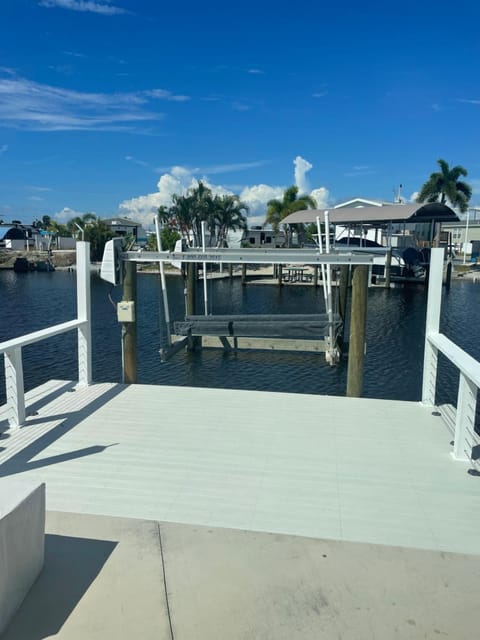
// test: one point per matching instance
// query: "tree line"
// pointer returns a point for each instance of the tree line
(224, 213)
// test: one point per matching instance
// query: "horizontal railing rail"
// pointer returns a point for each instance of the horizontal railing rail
(465, 436)
(12, 349)
(42, 334)
(457, 356)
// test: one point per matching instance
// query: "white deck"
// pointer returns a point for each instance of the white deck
(327, 467)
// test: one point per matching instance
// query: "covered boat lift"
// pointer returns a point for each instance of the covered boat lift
(430, 216)
(379, 217)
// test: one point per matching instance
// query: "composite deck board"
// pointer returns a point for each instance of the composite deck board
(361, 470)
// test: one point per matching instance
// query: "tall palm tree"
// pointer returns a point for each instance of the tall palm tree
(444, 186)
(230, 215)
(277, 210)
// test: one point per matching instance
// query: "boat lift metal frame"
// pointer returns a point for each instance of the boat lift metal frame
(244, 256)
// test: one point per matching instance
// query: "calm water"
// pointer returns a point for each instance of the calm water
(395, 335)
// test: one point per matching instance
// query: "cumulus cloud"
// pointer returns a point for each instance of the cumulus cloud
(414, 196)
(67, 214)
(321, 197)
(179, 179)
(83, 5)
(26, 104)
(302, 167)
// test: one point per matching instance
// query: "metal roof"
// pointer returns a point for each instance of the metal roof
(376, 215)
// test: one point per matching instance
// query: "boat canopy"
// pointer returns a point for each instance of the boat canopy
(417, 213)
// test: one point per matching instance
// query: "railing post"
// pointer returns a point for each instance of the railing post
(84, 313)
(465, 420)
(432, 325)
(14, 387)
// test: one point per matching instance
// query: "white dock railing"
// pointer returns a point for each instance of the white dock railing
(12, 349)
(465, 437)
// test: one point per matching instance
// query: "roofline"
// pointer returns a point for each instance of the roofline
(376, 215)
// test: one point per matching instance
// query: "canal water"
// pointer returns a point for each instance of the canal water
(395, 336)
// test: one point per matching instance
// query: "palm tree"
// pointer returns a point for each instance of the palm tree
(277, 210)
(444, 186)
(230, 215)
(82, 221)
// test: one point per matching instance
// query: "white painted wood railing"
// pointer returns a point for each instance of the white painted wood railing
(12, 349)
(465, 436)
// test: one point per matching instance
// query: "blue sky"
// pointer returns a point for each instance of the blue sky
(112, 106)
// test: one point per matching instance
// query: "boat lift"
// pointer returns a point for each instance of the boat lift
(311, 333)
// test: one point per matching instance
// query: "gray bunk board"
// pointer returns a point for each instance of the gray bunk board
(266, 326)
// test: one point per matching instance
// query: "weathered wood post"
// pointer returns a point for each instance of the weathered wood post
(190, 293)
(129, 329)
(190, 299)
(448, 277)
(230, 270)
(342, 291)
(315, 276)
(358, 321)
(388, 266)
(244, 274)
(280, 275)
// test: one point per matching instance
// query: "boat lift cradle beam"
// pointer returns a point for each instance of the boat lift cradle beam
(250, 256)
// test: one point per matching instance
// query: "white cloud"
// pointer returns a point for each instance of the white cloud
(179, 179)
(256, 71)
(240, 106)
(67, 214)
(3, 148)
(30, 105)
(414, 196)
(321, 196)
(257, 196)
(141, 163)
(228, 168)
(35, 198)
(83, 5)
(302, 167)
(35, 188)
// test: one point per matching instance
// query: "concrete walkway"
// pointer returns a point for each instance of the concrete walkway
(114, 578)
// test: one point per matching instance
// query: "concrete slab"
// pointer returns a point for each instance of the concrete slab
(102, 580)
(116, 579)
(236, 584)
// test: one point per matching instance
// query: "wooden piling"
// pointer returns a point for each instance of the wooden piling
(191, 285)
(315, 276)
(230, 270)
(448, 277)
(342, 290)
(388, 266)
(129, 329)
(358, 318)
(280, 275)
(244, 274)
